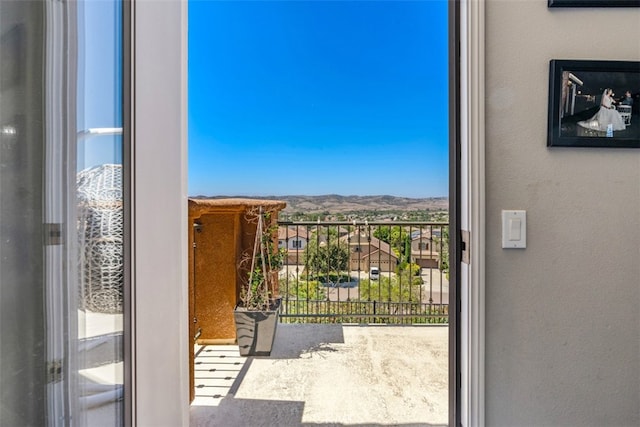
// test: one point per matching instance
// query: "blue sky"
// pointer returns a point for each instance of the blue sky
(99, 97)
(318, 97)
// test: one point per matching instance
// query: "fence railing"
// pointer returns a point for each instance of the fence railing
(364, 272)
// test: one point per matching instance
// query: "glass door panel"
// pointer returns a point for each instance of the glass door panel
(23, 349)
(61, 213)
(98, 207)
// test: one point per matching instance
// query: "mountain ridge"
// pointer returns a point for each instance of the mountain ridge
(335, 203)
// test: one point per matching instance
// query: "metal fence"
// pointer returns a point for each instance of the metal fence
(364, 272)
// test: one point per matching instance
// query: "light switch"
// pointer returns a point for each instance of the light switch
(514, 229)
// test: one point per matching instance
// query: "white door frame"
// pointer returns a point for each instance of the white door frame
(56, 98)
(159, 388)
(472, 201)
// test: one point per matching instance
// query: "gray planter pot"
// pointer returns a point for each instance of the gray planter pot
(256, 330)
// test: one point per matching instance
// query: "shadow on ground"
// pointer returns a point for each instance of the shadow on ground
(234, 412)
(302, 339)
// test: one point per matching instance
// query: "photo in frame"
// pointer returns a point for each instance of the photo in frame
(593, 3)
(594, 104)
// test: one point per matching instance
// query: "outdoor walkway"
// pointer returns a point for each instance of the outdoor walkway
(327, 375)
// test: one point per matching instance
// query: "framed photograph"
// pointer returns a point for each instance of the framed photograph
(593, 3)
(594, 104)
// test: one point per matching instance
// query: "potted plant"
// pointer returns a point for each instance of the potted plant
(256, 314)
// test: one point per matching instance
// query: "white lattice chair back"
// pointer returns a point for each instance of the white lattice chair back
(100, 233)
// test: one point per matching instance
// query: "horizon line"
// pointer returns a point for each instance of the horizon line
(318, 195)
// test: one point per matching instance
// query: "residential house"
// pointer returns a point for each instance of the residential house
(425, 249)
(366, 251)
(294, 240)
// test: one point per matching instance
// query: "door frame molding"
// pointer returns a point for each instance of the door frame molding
(472, 175)
(159, 393)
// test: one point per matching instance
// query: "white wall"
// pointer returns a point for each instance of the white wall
(563, 315)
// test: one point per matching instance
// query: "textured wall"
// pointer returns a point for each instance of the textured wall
(223, 233)
(563, 315)
(217, 249)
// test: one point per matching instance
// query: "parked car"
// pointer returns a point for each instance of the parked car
(374, 273)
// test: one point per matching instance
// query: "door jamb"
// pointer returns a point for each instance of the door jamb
(472, 198)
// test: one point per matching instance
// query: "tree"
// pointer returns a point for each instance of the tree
(401, 288)
(444, 253)
(323, 254)
(398, 238)
(408, 269)
(302, 290)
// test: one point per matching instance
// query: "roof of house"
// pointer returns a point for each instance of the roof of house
(428, 233)
(382, 254)
(363, 239)
(291, 232)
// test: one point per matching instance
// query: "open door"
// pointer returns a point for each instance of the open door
(62, 290)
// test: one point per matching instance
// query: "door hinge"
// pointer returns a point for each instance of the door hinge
(54, 371)
(52, 234)
(197, 227)
(465, 246)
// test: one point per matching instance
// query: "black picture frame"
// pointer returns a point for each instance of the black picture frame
(593, 3)
(576, 97)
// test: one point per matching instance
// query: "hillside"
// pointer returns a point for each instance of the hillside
(336, 204)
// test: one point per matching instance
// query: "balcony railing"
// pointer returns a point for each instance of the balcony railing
(364, 272)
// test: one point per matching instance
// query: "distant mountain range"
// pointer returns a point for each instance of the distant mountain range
(340, 204)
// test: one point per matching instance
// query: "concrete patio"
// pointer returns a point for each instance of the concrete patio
(327, 375)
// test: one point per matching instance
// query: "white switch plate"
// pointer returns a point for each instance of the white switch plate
(514, 229)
